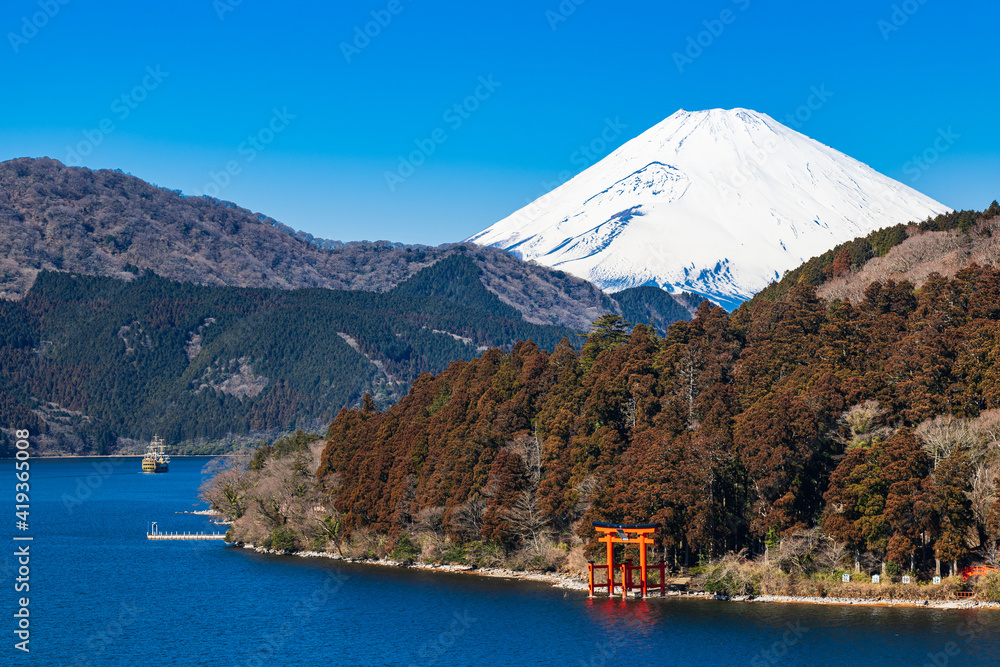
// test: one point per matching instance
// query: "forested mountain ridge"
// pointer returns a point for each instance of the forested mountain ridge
(86, 360)
(942, 245)
(871, 427)
(108, 223)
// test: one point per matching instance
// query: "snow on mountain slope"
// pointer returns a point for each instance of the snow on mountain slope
(717, 202)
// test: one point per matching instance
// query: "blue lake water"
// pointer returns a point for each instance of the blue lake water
(101, 594)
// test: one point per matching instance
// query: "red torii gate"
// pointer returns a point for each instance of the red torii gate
(638, 534)
(977, 571)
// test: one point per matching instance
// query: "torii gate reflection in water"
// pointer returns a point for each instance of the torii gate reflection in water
(639, 534)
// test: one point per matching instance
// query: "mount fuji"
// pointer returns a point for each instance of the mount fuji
(718, 202)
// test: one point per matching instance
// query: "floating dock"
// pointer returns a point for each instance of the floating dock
(185, 536)
(155, 534)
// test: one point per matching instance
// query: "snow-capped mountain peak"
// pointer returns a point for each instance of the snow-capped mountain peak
(717, 202)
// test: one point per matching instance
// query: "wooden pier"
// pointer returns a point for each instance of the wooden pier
(155, 534)
(185, 536)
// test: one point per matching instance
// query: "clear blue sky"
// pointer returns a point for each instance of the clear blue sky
(562, 76)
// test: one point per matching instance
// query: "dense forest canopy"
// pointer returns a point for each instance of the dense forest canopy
(877, 423)
(858, 253)
(86, 359)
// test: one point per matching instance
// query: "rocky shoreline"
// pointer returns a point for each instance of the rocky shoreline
(873, 602)
(564, 580)
(573, 582)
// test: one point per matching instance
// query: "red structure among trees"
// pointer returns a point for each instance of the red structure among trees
(977, 571)
(638, 534)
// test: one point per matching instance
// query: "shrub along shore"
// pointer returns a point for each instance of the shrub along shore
(272, 505)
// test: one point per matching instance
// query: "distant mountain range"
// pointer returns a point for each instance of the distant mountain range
(109, 223)
(130, 310)
(719, 202)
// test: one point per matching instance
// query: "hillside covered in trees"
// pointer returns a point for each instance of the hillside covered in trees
(912, 252)
(108, 223)
(86, 360)
(814, 432)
